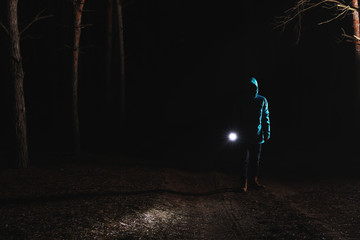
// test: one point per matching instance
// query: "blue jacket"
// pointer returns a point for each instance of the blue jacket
(251, 115)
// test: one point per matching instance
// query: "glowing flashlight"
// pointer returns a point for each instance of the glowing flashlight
(232, 136)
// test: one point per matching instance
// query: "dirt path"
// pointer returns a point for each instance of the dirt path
(165, 203)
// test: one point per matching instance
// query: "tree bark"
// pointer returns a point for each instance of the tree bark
(78, 8)
(122, 60)
(17, 79)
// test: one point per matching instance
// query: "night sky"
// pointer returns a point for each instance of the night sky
(185, 61)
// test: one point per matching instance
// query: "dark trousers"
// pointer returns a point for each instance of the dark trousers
(251, 161)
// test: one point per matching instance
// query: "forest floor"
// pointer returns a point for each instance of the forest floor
(137, 201)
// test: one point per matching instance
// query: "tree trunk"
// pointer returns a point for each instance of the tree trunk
(78, 8)
(17, 79)
(356, 27)
(108, 63)
(122, 60)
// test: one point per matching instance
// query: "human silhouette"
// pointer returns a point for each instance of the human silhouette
(251, 118)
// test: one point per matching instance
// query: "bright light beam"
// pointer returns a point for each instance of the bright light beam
(232, 136)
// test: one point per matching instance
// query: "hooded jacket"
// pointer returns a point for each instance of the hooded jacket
(251, 115)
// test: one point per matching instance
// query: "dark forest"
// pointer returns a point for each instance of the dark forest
(182, 66)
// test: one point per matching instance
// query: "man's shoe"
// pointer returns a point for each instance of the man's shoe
(255, 184)
(244, 185)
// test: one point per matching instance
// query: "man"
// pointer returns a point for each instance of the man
(252, 119)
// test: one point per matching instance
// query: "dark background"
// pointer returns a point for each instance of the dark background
(185, 61)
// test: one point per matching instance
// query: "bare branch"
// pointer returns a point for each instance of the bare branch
(3, 26)
(300, 7)
(342, 6)
(339, 8)
(37, 18)
(342, 14)
(303, 6)
(349, 38)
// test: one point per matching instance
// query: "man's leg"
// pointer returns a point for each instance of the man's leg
(254, 164)
(244, 158)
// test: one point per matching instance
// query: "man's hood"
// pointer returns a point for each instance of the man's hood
(254, 82)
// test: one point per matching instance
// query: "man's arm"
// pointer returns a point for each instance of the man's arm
(266, 120)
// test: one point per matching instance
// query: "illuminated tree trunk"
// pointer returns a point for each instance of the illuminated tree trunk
(78, 8)
(17, 79)
(356, 28)
(122, 59)
(357, 50)
(357, 43)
